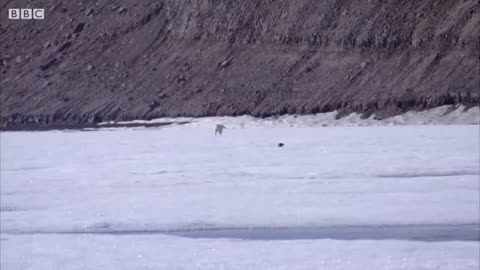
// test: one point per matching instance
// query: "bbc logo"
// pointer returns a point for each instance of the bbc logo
(26, 13)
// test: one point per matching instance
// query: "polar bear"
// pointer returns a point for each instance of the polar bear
(219, 129)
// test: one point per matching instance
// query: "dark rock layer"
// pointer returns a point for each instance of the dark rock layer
(92, 61)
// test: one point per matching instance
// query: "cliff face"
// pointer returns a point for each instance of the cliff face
(91, 61)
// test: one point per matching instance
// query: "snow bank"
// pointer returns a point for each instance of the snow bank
(444, 115)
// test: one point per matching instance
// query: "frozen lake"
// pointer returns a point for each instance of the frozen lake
(74, 200)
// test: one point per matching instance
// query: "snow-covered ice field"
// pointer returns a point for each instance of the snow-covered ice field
(443, 115)
(107, 199)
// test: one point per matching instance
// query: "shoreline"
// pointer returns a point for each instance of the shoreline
(443, 115)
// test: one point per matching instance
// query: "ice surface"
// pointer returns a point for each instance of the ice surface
(157, 252)
(57, 183)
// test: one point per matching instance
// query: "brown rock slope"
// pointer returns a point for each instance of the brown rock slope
(91, 61)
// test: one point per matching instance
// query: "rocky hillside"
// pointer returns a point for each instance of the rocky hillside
(91, 61)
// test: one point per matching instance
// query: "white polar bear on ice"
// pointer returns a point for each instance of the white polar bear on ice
(219, 129)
